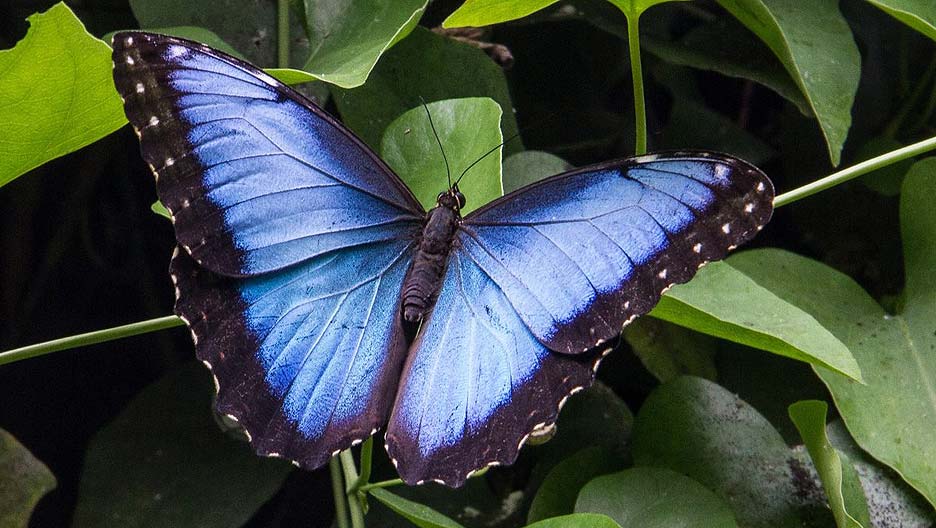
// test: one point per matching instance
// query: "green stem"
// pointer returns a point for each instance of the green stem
(854, 171)
(90, 338)
(367, 451)
(282, 33)
(381, 484)
(350, 477)
(640, 109)
(341, 500)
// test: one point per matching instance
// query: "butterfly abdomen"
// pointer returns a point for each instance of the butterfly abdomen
(425, 276)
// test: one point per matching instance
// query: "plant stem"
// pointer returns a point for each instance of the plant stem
(640, 109)
(341, 500)
(282, 33)
(350, 477)
(854, 171)
(90, 338)
(381, 484)
(367, 451)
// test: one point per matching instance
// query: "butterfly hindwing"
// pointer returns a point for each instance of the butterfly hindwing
(476, 383)
(579, 255)
(255, 176)
(306, 359)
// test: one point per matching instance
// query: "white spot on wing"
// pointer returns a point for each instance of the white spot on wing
(170, 162)
(140, 88)
(662, 274)
(697, 248)
(128, 41)
(129, 60)
(153, 121)
(760, 187)
(726, 228)
(749, 208)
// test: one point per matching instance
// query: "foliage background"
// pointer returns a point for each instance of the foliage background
(125, 427)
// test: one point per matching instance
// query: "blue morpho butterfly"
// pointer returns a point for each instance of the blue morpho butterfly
(304, 260)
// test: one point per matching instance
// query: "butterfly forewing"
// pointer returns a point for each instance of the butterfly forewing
(255, 176)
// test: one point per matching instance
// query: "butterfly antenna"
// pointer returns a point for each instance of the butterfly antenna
(486, 154)
(448, 172)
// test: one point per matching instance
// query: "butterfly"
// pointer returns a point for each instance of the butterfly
(304, 264)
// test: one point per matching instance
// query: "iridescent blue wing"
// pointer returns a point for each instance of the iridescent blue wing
(579, 255)
(544, 274)
(296, 239)
(256, 177)
(307, 359)
(476, 383)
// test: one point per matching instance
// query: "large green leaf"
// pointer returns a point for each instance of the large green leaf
(467, 129)
(23, 481)
(577, 520)
(918, 14)
(486, 12)
(347, 37)
(418, 514)
(649, 497)
(701, 430)
(722, 301)
(428, 66)
(557, 494)
(668, 351)
(891, 501)
(893, 415)
(56, 93)
(524, 168)
(817, 49)
(165, 462)
(838, 476)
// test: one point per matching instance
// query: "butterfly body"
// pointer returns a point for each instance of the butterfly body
(425, 276)
(301, 257)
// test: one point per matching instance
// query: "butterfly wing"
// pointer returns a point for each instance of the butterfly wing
(559, 266)
(295, 241)
(476, 383)
(579, 255)
(255, 176)
(307, 359)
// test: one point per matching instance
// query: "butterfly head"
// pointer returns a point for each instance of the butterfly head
(452, 198)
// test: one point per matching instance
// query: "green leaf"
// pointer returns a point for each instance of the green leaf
(815, 45)
(429, 66)
(891, 501)
(577, 520)
(467, 129)
(531, 166)
(164, 462)
(669, 351)
(23, 481)
(556, 495)
(248, 26)
(918, 14)
(722, 301)
(160, 209)
(699, 429)
(726, 47)
(654, 498)
(418, 514)
(893, 415)
(479, 13)
(839, 478)
(347, 37)
(56, 93)
(290, 76)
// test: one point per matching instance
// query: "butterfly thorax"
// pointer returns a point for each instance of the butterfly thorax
(421, 285)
